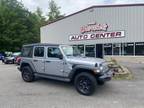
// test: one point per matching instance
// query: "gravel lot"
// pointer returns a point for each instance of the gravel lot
(14, 93)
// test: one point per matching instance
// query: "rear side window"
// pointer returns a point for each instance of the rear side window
(39, 52)
(27, 51)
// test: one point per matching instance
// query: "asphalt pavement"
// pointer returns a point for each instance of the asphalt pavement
(43, 93)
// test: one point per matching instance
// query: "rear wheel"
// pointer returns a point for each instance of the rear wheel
(85, 83)
(27, 74)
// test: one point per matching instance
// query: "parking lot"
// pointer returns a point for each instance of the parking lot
(15, 93)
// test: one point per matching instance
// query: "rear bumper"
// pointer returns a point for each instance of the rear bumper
(107, 76)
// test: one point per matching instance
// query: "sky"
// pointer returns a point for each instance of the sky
(71, 6)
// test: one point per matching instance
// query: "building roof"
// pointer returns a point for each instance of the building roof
(96, 6)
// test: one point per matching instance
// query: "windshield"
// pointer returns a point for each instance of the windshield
(16, 54)
(71, 51)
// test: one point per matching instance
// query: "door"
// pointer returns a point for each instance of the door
(99, 50)
(90, 50)
(38, 59)
(54, 64)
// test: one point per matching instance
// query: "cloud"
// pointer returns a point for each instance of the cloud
(127, 1)
(67, 6)
(71, 6)
(30, 4)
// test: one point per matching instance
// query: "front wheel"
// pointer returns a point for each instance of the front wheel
(85, 83)
(27, 74)
(5, 62)
(13, 62)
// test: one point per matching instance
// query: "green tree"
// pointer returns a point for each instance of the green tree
(54, 12)
(18, 26)
(41, 19)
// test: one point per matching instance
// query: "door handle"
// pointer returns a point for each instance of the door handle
(47, 61)
(35, 60)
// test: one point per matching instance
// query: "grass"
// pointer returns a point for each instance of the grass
(125, 76)
(123, 72)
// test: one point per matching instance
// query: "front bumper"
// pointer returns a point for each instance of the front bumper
(106, 76)
(8, 60)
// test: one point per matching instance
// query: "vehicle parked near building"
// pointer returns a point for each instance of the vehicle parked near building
(11, 58)
(3, 59)
(1, 56)
(15, 55)
(18, 60)
(64, 63)
(8, 59)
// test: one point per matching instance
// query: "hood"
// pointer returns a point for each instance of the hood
(85, 60)
(9, 58)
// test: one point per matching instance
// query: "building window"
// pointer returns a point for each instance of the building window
(116, 49)
(139, 48)
(80, 48)
(90, 50)
(128, 48)
(107, 49)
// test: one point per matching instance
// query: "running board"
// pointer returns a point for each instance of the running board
(53, 77)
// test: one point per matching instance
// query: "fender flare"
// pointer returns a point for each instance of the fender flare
(79, 67)
(27, 64)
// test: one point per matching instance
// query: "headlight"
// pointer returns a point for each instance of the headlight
(99, 68)
(97, 71)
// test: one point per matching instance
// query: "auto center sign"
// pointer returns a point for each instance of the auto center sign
(94, 36)
(96, 31)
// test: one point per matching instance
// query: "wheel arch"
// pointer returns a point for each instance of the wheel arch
(27, 64)
(79, 70)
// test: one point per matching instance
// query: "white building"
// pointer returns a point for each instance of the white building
(98, 30)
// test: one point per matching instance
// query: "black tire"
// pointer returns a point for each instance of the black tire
(27, 74)
(13, 62)
(5, 62)
(85, 83)
(100, 82)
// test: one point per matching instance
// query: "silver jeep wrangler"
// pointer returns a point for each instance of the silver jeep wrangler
(64, 63)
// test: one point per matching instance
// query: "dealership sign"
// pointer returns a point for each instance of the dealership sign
(95, 31)
(94, 36)
(94, 27)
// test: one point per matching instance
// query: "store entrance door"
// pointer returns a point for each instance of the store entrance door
(99, 50)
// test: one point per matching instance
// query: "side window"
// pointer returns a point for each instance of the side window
(53, 52)
(39, 52)
(27, 51)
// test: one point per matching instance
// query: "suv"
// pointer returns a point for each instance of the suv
(63, 63)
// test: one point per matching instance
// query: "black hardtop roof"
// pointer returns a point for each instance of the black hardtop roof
(41, 44)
